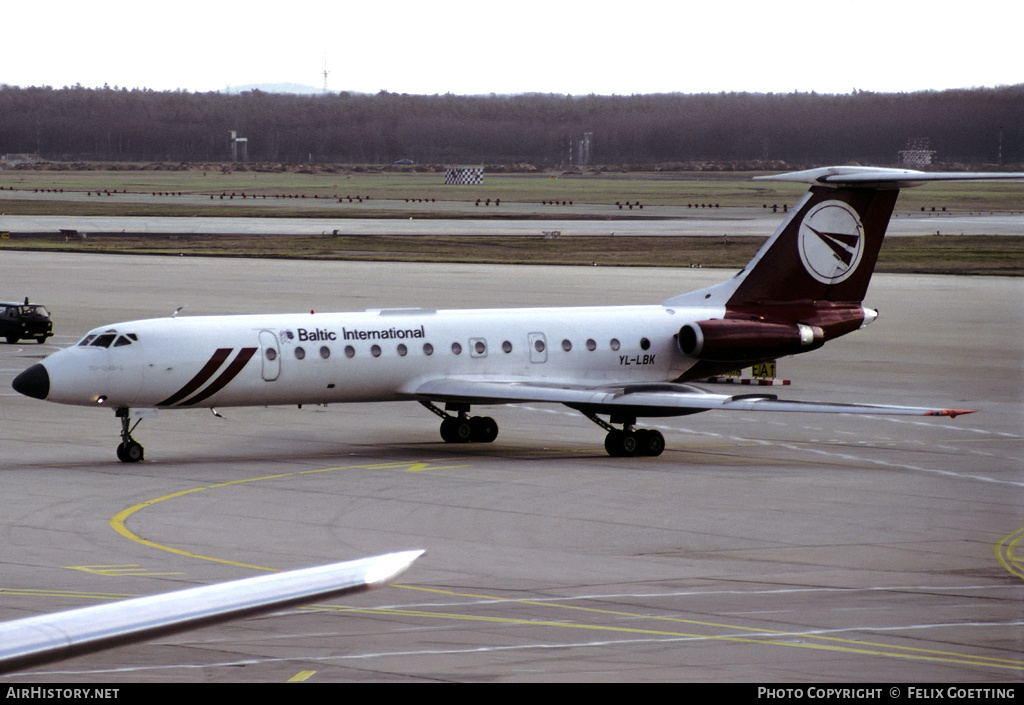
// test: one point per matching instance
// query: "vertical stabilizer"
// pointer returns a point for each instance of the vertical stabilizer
(806, 285)
(826, 251)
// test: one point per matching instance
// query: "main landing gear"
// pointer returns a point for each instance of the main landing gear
(130, 450)
(625, 442)
(464, 428)
(628, 441)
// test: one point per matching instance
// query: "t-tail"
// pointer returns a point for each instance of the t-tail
(807, 283)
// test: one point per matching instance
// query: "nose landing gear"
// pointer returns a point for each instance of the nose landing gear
(129, 450)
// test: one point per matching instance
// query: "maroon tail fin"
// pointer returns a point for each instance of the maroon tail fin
(826, 251)
(805, 286)
(824, 255)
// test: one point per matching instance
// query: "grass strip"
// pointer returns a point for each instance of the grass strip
(962, 255)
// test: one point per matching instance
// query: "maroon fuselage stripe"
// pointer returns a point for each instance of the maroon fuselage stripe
(212, 365)
(229, 374)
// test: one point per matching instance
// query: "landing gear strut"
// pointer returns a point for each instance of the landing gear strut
(463, 428)
(628, 441)
(130, 450)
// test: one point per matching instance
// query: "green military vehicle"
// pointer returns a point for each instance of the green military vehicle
(21, 321)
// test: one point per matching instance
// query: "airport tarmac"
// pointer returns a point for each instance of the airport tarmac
(758, 547)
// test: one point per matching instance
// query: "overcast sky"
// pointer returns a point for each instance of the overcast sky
(552, 46)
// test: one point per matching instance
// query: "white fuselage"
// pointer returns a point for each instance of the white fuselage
(207, 361)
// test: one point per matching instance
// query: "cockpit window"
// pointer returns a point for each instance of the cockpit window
(104, 340)
(108, 339)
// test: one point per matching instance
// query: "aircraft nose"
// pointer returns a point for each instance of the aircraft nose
(33, 382)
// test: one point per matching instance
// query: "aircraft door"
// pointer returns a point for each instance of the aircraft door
(271, 355)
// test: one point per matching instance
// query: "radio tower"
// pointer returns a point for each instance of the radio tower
(325, 73)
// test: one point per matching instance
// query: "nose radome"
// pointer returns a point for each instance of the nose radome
(33, 382)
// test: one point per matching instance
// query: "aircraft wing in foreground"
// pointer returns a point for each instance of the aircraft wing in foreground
(34, 641)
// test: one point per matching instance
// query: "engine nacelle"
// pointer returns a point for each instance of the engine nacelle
(736, 340)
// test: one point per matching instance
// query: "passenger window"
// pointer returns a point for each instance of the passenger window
(325, 352)
(271, 354)
(375, 351)
(645, 344)
(300, 353)
(506, 346)
(456, 349)
(402, 350)
(591, 345)
(350, 352)
(538, 345)
(566, 345)
(428, 349)
(615, 344)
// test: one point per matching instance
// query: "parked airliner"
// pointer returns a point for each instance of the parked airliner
(805, 287)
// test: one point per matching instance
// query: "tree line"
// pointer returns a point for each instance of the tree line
(970, 126)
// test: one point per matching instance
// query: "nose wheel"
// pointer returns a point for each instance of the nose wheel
(129, 450)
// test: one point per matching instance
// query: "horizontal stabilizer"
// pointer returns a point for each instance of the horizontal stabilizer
(876, 177)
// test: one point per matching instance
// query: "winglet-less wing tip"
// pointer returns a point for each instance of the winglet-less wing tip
(390, 566)
(951, 413)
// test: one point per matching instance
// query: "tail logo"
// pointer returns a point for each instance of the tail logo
(831, 242)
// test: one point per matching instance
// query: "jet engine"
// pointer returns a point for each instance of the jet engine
(737, 340)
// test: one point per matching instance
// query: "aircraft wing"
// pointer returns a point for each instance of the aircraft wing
(52, 637)
(644, 399)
